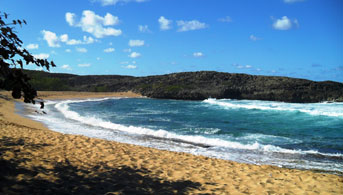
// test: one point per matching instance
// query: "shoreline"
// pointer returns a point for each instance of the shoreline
(137, 168)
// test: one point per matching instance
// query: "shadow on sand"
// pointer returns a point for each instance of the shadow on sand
(15, 179)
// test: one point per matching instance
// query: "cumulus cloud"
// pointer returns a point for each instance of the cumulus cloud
(127, 50)
(55, 41)
(190, 25)
(65, 39)
(292, 1)
(239, 66)
(84, 65)
(70, 18)
(32, 46)
(41, 56)
(81, 50)
(225, 19)
(136, 43)
(95, 24)
(284, 23)
(109, 50)
(296, 22)
(254, 38)
(165, 24)
(198, 54)
(51, 38)
(66, 67)
(144, 29)
(135, 55)
(114, 2)
(68, 50)
(130, 66)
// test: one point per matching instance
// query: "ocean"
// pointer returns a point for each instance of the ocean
(291, 135)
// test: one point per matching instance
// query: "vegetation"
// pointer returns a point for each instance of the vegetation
(49, 84)
(12, 60)
(196, 86)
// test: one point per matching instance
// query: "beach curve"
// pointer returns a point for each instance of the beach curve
(31, 154)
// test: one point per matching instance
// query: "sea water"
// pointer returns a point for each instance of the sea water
(303, 136)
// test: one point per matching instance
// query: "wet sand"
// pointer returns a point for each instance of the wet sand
(36, 160)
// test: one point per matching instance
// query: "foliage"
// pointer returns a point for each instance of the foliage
(12, 59)
(99, 89)
(49, 84)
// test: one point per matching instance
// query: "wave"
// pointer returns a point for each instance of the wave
(63, 107)
(324, 109)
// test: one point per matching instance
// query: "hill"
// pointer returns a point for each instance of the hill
(196, 86)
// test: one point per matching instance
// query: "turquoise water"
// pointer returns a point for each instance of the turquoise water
(304, 136)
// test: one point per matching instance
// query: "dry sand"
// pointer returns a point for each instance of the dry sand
(36, 160)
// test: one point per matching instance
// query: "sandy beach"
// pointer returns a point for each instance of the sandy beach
(36, 160)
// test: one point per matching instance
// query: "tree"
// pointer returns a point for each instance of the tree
(12, 60)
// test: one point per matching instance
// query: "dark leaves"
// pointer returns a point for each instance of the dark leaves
(20, 63)
(11, 54)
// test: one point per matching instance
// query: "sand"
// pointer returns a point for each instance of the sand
(36, 160)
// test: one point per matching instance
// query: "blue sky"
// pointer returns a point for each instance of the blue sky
(295, 38)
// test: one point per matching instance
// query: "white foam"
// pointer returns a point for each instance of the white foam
(63, 107)
(325, 109)
(270, 138)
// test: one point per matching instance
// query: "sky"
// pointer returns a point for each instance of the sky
(294, 38)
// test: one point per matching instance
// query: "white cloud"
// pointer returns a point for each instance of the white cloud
(225, 19)
(32, 46)
(84, 65)
(96, 25)
(136, 43)
(89, 40)
(165, 24)
(296, 22)
(127, 50)
(68, 50)
(130, 66)
(70, 18)
(86, 40)
(66, 66)
(41, 56)
(198, 54)
(282, 24)
(109, 50)
(81, 50)
(134, 55)
(110, 20)
(114, 2)
(190, 25)
(254, 38)
(51, 38)
(239, 66)
(55, 41)
(292, 1)
(144, 29)
(64, 38)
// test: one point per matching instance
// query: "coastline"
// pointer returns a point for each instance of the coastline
(33, 155)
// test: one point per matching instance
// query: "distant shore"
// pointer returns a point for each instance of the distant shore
(34, 159)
